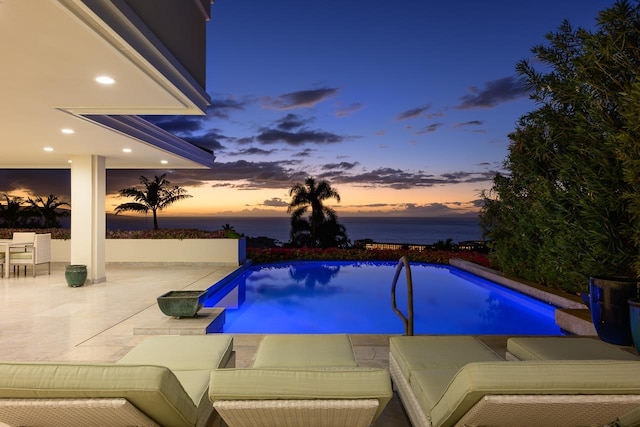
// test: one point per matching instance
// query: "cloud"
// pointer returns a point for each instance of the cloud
(253, 151)
(254, 175)
(221, 108)
(428, 129)
(469, 123)
(275, 202)
(37, 182)
(413, 113)
(341, 165)
(462, 176)
(307, 152)
(494, 92)
(401, 180)
(349, 110)
(210, 140)
(299, 99)
(292, 121)
(273, 136)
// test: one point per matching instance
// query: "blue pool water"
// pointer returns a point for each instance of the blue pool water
(355, 297)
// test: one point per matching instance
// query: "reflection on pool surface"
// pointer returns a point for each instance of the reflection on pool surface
(355, 297)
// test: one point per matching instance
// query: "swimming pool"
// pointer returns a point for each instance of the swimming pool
(355, 297)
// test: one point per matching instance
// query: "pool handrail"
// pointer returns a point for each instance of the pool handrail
(407, 320)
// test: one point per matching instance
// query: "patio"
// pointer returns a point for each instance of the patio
(43, 319)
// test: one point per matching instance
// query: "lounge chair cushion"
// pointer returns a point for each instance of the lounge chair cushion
(305, 351)
(182, 352)
(565, 348)
(475, 380)
(446, 352)
(154, 390)
(301, 384)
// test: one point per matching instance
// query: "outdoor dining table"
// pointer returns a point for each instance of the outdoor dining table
(8, 244)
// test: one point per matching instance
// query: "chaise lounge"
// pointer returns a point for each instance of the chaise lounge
(301, 380)
(162, 381)
(457, 380)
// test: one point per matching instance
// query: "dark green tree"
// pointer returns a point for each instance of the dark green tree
(156, 195)
(47, 210)
(321, 228)
(569, 205)
(12, 213)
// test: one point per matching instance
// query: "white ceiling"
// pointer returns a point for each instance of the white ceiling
(50, 55)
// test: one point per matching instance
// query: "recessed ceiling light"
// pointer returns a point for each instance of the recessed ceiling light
(69, 161)
(48, 149)
(67, 131)
(126, 150)
(105, 80)
(164, 162)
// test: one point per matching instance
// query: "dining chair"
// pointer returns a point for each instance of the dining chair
(40, 254)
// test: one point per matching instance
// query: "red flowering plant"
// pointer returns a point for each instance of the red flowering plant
(333, 254)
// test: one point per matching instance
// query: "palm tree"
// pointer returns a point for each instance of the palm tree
(48, 210)
(11, 212)
(156, 196)
(322, 228)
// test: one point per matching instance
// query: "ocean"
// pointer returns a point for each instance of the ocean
(379, 229)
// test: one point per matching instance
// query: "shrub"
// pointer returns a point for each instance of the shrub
(258, 255)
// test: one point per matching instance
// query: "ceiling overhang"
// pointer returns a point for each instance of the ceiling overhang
(57, 48)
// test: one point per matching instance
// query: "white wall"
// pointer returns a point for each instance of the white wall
(213, 251)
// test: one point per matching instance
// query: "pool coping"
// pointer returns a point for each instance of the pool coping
(571, 314)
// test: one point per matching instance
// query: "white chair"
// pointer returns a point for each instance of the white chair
(41, 254)
(23, 236)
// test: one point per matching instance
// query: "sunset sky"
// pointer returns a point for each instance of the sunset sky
(403, 106)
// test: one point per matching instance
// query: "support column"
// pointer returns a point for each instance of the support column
(88, 219)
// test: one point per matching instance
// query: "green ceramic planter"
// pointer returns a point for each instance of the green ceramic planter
(181, 303)
(75, 275)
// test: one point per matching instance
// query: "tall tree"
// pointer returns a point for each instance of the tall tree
(12, 213)
(321, 228)
(569, 205)
(48, 210)
(156, 195)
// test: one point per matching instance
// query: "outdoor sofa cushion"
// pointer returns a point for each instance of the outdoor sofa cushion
(448, 375)
(586, 377)
(303, 367)
(165, 377)
(154, 390)
(301, 384)
(303, 351)
(565, 348)
(191, 358)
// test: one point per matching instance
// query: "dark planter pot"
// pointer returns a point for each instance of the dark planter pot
(634, 321)
(75, 275)
(608, 300)
(181, 303)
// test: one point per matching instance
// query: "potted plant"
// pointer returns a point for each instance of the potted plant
(608, 301)
(75, 275)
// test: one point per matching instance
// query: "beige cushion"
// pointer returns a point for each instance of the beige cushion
(444, 352)
(154, 390)
(301, 384)
(182, 352)
(300, 351)
(475, 380)
(565, 348)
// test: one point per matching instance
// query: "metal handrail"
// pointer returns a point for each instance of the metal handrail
(407, 320)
